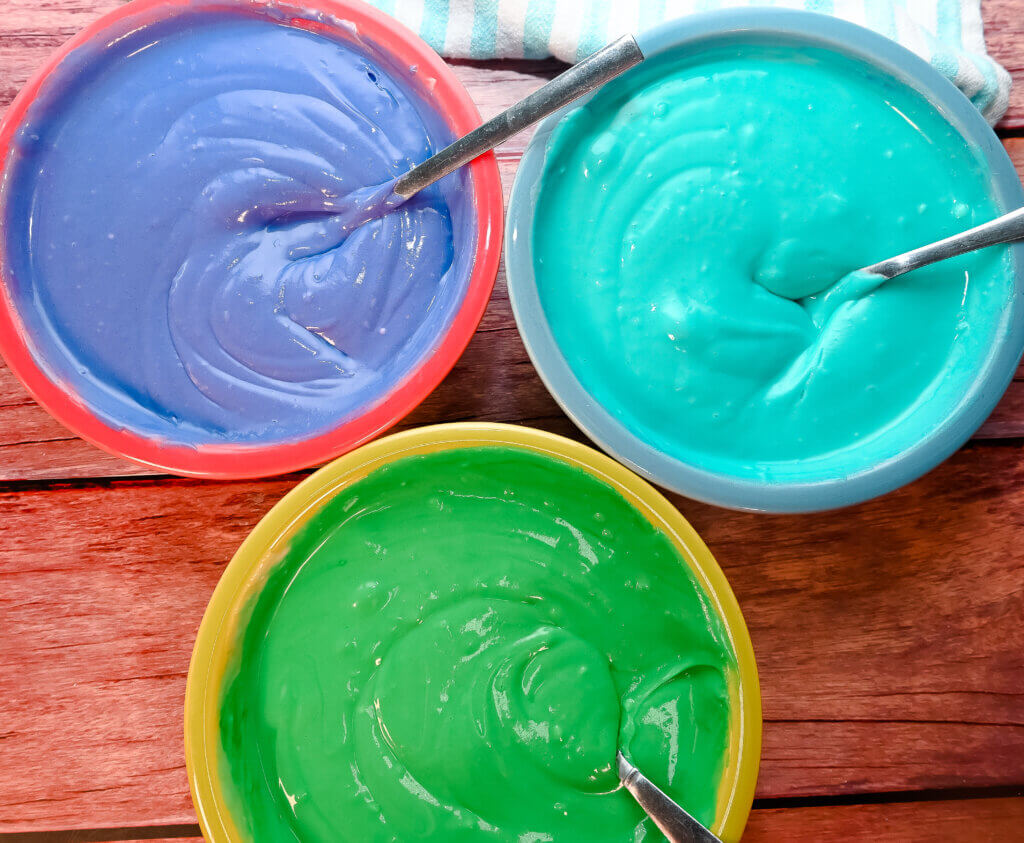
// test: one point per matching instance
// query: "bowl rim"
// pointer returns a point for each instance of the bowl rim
(440, 89)
(728, 490)
(264, 546)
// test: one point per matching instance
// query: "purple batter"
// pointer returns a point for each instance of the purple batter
(180, 218)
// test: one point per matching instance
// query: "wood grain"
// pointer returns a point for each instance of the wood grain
(977, 820)
(888, 637)
(1004, 36)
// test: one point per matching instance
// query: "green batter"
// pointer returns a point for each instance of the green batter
(454, 647)
(694, 224)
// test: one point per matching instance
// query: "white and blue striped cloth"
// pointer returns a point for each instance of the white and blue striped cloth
(948, 33)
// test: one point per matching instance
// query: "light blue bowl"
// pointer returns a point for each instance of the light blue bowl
(744, 493)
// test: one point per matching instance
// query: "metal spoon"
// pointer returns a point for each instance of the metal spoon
(677, 825)
(591, 73)
(1005, 229)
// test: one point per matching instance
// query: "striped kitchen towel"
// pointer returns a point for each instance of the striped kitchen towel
(947, 33)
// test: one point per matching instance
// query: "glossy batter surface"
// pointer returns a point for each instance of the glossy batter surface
(179, 222)
(453, 648)
(695, 223)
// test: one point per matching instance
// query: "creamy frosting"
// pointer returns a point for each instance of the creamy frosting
(454, 647)
(182, 219)
(697, 223)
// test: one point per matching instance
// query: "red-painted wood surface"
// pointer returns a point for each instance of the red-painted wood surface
(888, 636)
(975, 820)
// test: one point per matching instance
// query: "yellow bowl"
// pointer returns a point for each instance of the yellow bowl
(268, 542)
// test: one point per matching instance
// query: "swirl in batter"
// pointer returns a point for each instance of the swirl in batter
(182, 230)
(714, 201)
(454, 647)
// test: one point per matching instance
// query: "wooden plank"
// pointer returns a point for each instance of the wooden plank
(979, 820)
(494, 380)
(30, 30)
(834, 613)
(888, 637)
(1007, 420)
(1004, 36)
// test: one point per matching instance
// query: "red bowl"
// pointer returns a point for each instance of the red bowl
(437, 85)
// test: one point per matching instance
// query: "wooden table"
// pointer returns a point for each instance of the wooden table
(889, 637)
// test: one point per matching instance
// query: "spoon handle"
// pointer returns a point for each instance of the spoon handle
(677, 825)
(592, 72)
(1004, 229)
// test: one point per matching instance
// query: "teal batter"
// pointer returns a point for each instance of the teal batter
(695, 221)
